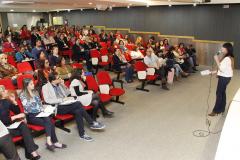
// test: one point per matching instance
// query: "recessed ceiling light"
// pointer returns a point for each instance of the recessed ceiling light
(12, 10)
(34, 10)
(90, 3)
(7, 2)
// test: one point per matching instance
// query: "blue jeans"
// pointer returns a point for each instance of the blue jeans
(221, 94)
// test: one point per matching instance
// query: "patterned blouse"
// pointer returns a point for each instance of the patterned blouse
(33, 105)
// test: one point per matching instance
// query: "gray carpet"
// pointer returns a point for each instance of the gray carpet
(151, 126)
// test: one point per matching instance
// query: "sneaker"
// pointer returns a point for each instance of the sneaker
(97, 126)
(86, 137)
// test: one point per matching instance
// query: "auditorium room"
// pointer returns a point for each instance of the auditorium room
(119, 79)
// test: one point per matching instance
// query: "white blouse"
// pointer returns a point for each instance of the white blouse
(85, 99)
(225, 68)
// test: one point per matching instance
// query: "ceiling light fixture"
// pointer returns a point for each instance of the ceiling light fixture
(11, 10)
(194, 4)
(7, 2)
(128, 6)
(69, 10)
(170, 5)
(90, 3)
(34, 10)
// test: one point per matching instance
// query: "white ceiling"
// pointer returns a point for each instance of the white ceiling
(51, 5)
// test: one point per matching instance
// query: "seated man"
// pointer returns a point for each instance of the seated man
(55, 92)
(151, 60)
(7, 147)
(38, 49)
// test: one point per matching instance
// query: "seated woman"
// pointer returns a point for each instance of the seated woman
(171, 58)
(77, 89)
(122, 46)
(139, 42)
(41, 57)
(7, 105)
(64, 71)
(120, 63)
(95, 44)
(32, 107)
(53, 58)
(7, 147)
(9, 45)
(23, 54)
(6, 69)
(179, 59)
(187, 58)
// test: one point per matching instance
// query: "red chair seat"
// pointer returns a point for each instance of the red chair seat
(17, 139)
(103, 63)
(116, 91)
(151, 77)
(64, 117)
(105, 97)
(87, 107)
(35, 127)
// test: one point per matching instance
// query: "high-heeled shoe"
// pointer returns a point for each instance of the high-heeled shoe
(212, 114)
(35, 158)
(50, 147)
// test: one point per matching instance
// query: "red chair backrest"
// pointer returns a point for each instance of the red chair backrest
(21, 78)
(77, 65)
(24, 67)
(12, 61)
(140, 66)
(103, 44)
(67, 83)
(94, 53)
(104, 51)
(104, 78)
(7, 83)
(92, 83)
(20, 105)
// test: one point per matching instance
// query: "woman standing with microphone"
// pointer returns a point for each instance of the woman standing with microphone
(224, 74)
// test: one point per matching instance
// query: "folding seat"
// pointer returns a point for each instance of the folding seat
(106, 85)
(95, 56)
(24, 67)
(7, 83)
(11, 60)
(104, 58)
(77, 65)
(33, 127)
(104, 44)
(67, 53)
(17, 139)
(20, 79)
(92, 85)
(145, 74)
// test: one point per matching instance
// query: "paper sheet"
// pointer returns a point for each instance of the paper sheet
(205, 72)
(43, 114)
(14, 125)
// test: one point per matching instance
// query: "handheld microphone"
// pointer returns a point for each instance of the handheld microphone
(218, 53)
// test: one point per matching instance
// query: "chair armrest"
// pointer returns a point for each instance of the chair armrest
(118, 81)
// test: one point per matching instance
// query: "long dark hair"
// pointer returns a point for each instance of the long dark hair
(76, 74)
(25, 91)
(229, 48)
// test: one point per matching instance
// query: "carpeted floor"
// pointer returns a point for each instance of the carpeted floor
(151, 126)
